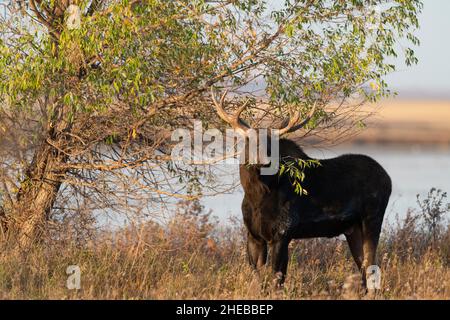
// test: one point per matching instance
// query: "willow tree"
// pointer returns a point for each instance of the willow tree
(87, 106)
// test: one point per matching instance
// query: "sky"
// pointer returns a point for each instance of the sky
(432, 75)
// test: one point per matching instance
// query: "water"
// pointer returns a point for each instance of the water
(413, 169)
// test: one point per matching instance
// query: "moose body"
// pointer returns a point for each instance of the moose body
(346, 195)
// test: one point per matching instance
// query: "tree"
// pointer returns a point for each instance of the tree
(86, 112)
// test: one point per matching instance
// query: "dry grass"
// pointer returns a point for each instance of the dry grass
(192, 258)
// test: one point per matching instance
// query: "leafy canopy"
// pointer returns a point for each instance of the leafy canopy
(143, 52)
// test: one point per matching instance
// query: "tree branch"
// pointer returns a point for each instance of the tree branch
(41, 18)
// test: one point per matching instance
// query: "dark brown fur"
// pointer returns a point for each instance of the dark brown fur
(346, 195)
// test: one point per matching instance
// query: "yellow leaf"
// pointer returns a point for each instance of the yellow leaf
(374, 86)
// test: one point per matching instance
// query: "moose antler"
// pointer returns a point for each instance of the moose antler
(234, 120)
(240, 125)
(291, 125)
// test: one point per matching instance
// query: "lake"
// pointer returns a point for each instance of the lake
(413, 169)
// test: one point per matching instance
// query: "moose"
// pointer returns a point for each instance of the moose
(346, 195)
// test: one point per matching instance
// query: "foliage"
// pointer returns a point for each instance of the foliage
(295, 170)
(140, 53)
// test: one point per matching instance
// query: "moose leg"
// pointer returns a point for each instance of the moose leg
(256, 251)
(279, 257)
(355, 243)
(370, 250)
(371, 235)
(371, 229)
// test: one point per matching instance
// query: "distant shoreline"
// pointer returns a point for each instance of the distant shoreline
(402, 121)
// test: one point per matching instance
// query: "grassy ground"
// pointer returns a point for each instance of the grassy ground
(193, 258)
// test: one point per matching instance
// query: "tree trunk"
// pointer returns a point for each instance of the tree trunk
(37, 195)
(43, 179)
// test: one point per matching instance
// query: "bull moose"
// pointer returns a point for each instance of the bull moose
(346, 195)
